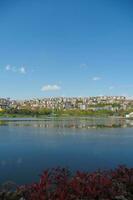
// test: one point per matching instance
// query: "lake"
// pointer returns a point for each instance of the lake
(28, 147)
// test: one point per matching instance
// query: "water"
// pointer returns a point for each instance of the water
(29, 147)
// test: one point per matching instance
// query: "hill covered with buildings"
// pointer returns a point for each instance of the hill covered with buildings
(109, 105)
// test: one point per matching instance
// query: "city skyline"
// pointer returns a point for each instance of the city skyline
(66, 48)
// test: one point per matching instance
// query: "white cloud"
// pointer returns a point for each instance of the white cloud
(47, 88)
(22, 70)
(13, 69)
(96, 78)
(8, 68)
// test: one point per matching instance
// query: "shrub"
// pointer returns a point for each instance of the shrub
(59, 184)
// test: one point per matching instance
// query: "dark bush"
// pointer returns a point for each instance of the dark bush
(59, 184)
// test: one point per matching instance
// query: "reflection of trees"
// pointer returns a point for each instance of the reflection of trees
(3, 123)
(73, 123)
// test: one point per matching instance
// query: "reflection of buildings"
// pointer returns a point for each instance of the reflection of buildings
(130, 115)
(73, 123)
(129, 122)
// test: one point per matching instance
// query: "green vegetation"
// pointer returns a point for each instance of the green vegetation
(49, 112)
(25, 112)
(78, 112)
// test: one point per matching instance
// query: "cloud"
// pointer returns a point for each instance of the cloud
(96, 78)
(47, 88)
(20, 70)
(8, 68)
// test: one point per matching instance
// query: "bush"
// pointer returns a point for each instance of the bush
(58, 184)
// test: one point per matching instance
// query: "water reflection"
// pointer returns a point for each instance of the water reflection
(80, 122)
(8, 162)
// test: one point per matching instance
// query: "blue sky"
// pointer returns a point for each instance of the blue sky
(66, 48)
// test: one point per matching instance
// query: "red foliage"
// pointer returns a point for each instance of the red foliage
(58, 184)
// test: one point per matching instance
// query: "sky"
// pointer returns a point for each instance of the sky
(66, 48)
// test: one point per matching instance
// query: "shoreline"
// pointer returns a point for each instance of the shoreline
(26, 118)
(73, 122)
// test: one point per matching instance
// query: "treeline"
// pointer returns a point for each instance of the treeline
(50, 112)
(78, 112)
(28, 111)
(14, 112)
